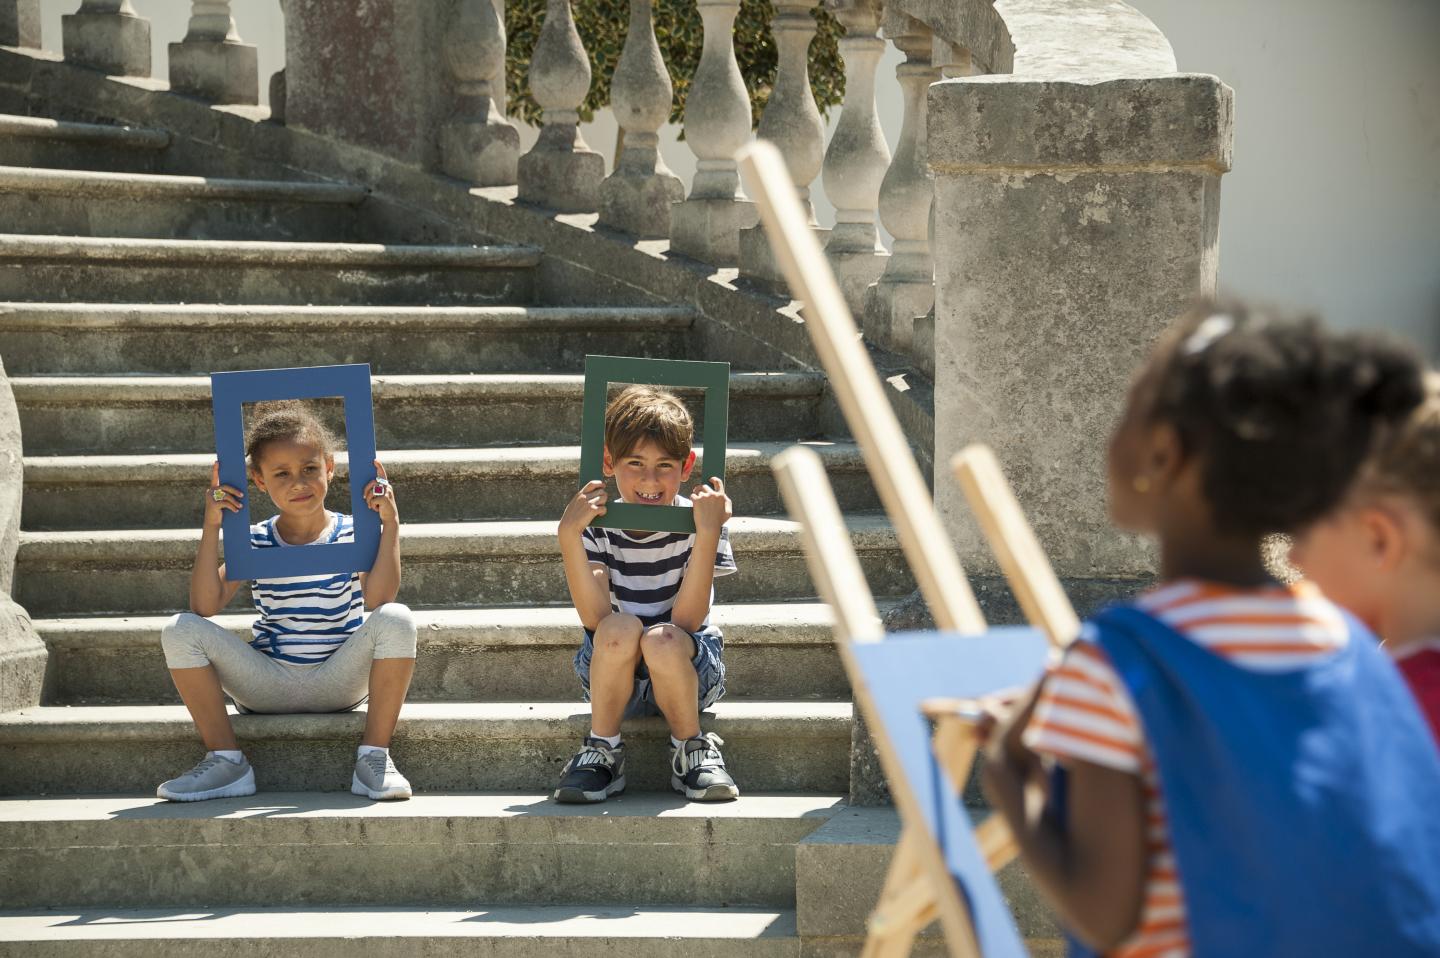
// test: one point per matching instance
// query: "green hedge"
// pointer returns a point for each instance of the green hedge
(602, 25)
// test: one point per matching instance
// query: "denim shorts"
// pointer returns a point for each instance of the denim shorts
(709, 666)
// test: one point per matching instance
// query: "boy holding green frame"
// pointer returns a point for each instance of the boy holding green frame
(649, 646)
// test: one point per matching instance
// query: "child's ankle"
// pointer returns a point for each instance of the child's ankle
(611, 740)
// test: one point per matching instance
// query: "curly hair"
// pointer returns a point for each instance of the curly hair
(1281, 412)
(1408, 462)
(286, 419)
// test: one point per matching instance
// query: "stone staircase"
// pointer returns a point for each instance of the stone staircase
(122, 286)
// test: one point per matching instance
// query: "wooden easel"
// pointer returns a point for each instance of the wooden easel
(918, 888)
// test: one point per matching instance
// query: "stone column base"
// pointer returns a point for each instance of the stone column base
(220, 71)
(484, 152)
(639, 203)
(567, 181)
(709, 229)
(23, 656)
(115, 43)
(757, 257)
(891, 309)
(20, 23)
(856, 270)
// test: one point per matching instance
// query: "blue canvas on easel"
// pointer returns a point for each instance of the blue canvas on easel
(905, 670)
(228, 394)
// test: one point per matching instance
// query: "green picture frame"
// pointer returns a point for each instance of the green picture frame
(600, 372)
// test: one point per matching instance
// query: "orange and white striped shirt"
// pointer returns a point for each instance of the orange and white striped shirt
(1086, 714)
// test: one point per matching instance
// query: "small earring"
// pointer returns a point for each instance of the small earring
(1141, 484)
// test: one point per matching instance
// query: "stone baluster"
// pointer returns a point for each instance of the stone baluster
(857, 158)
(707, 225)
(20, 23)
(560, 172)
(107, 35)
(477, 142)
(211, 62)
(906, 290)
(792, 122)
(637, 197)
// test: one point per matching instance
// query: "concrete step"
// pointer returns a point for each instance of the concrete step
(446, 565)
(773, 652)
(114, 415)
(770, 746)
(439, 851)
(90, 269)
(167, 339)
(512, 931)
(91, 203)
(39, 141)
(439, 485)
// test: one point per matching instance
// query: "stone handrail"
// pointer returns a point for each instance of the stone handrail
(23, 653)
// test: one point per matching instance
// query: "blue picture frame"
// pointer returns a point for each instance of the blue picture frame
(228, 394)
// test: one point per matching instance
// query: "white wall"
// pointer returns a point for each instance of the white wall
(1334, 201)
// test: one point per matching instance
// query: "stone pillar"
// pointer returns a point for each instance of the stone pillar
(372, 74)
(107, 35)
(1073, 222)
(636, 198)
(22, 652)
(792, 122)
(477, 143)
(906, 290)
(20, 23)
(858, 157)
(211, 62)
(717, 123)
(560, 172)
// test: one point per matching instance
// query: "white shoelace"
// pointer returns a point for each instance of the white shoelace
(707, 757)
(379, 767)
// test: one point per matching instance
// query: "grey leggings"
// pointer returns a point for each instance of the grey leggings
(259, 683)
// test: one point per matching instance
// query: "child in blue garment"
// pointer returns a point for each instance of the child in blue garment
(1227, 765)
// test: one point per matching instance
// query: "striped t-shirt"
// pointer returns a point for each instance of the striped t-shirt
(646, 568)
(304, 619)
(1085, 712)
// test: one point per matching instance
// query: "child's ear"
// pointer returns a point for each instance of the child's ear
(689, 465)
(1164, 456)
(329, 466)
(258, 479)
(1387, 539)
(606, 466)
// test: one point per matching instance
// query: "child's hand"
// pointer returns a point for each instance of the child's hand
(712, 506)
(230, 499)
(583, 507)
(380, 497)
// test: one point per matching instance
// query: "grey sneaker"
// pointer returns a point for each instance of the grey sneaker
(697, 770)
(377, 777)
(593, 774)
(213, 777)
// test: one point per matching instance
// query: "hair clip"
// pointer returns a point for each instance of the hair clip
(1207, 332)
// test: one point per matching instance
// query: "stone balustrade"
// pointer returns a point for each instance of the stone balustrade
(436, 106)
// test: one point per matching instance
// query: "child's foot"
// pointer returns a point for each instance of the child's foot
(214, 777)
(697, 770)
(377, 777)
(593, 774)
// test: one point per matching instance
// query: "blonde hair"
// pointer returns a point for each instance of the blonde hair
(644, 412)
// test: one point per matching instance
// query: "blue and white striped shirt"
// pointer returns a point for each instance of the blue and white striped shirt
(304, 619)
(646, 569)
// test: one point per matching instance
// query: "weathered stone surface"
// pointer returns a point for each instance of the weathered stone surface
(1073, 223)
(439, 849)
(368, 74)
(770, 747)
(22, 653)
(20, 23)
(27, 141)
(220, 71)
(504, 931)
(116, 43)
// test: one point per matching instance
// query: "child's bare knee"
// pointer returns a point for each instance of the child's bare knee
(667, 643)
(618, 633)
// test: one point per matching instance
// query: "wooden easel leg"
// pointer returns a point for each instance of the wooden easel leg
(906, 904)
